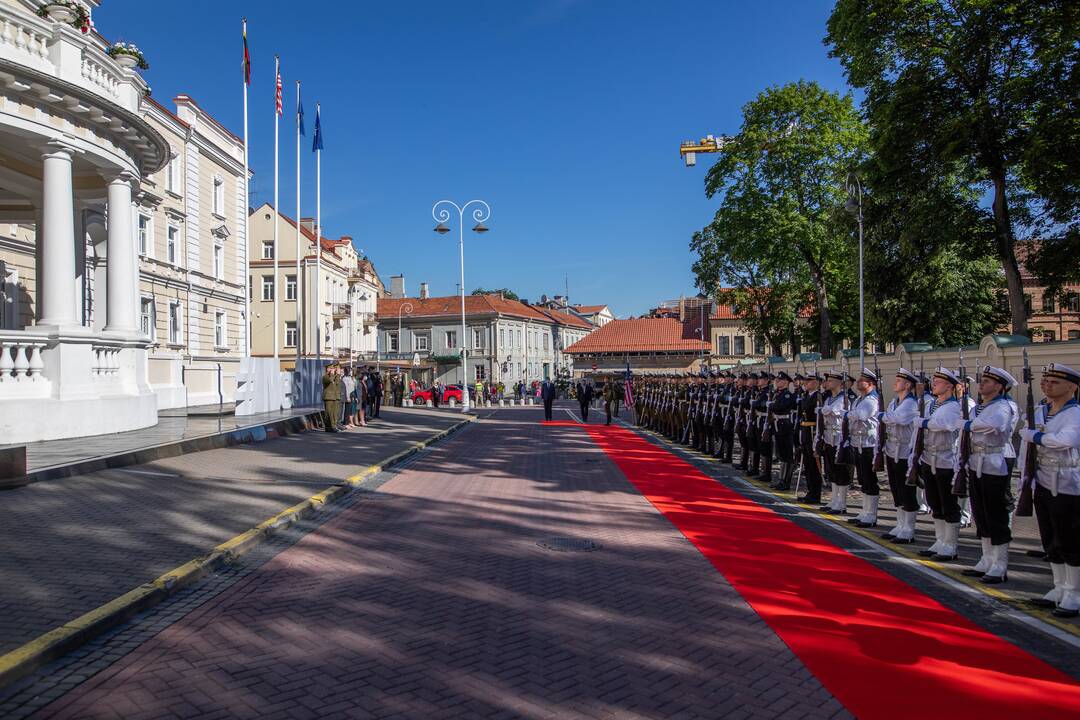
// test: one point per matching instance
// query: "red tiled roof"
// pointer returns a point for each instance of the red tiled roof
(490, 304)
(589, 309)
(563, 318)
(641, 335)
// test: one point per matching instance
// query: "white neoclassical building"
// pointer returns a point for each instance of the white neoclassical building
(74, 151)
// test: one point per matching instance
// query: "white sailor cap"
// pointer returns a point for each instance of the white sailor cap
(907, 375)
(834, 375)
(1062, 372)
(867, 374)
(946, 374)
(1000, 375)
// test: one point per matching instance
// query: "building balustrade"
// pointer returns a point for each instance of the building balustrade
(106, 360)
(22, 371)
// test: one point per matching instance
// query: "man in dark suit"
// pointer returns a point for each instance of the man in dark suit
(547, 394)
(584, 397)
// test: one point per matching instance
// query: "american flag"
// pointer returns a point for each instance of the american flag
(277, 92)
(628, 388)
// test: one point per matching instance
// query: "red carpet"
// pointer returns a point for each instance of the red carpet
(881, 647)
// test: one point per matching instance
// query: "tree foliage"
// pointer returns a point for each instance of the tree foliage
(985, 92)
(780, 182)
(506, 292)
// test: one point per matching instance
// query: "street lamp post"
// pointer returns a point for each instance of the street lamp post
(854, 206)
(440, 212)
(407, 308)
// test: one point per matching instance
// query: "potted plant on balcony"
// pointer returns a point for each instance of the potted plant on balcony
(66, 11)
(128, 56)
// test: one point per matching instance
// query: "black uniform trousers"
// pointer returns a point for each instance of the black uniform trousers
(1060, 514)
(547, 407)
(990, 501)
(744, 442)
(838, 473)
(584, 404)
(904, 496)
(939, 496)
(864, 470)
(811, 471)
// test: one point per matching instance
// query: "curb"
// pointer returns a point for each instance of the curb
(248, 434)
(1044, 616)
(55, 643)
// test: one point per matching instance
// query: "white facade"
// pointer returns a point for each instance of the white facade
(74, 152)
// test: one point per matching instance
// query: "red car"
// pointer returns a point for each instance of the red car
(450, 392)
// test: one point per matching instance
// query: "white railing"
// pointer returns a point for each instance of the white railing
(105, 361)
(22, 372)
(98, 74)
(24, 37)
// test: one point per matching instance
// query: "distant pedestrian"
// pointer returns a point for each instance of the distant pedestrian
(331, 384)
(584, 397)
(348, 382)
(436, 394)
(376, 394)
(610, 399)
(547, 393)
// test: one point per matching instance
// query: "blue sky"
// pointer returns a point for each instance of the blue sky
(565, 115)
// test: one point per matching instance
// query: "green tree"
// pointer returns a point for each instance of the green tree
(506, 293)
(973, 84)
(781, 180)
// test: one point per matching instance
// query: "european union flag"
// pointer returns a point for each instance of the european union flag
(316, 144)
(299, 110)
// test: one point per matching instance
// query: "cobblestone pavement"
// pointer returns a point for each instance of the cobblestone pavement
(431, 597)
(70, 545)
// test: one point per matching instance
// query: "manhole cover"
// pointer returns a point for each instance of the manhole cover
(566, 544)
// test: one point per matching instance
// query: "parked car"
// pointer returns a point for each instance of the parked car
(450, 392)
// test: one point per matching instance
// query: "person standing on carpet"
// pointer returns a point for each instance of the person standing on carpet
(1056, 439)
(609, 399)
(783, 404)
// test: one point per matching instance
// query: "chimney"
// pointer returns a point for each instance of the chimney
(543, 299)
(397, 286)
(308, 224)
(423, 291)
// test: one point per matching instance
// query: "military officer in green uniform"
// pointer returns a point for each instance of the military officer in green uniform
(331, 383)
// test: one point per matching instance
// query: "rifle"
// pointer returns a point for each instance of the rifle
(913, 471)
(960, 479)
(819, 428)
(1025, 504)
(879, 456)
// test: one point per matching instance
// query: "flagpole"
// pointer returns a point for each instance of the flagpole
(247, 239)
(277, 207)
(318, 242)
(299, 325)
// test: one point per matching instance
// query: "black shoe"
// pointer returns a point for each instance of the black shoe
(783, 487)
(901, 541)
(1063, 613)
(809, 500)
(1036, 553)
(1041, 603)
(945, 558)
(994, 579)
(927, 553)
(860, 523)
(972, 572)
(855, 520)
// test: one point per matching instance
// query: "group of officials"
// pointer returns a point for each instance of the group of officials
(932, 440)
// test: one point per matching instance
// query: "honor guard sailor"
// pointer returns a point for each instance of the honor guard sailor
(1055, 440)
(940, 424)
(832, 412)
(862, 420)
(899, 420)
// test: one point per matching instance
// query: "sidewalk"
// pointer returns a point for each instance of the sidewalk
(72, 544)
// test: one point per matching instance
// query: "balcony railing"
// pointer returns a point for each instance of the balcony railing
(22, 372)
(341, 310)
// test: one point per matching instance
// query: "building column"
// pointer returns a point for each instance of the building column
(121, 285)
(56, 239)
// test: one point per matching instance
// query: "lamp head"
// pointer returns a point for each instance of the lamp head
(442, 229)
(480, 228)
(852, 206)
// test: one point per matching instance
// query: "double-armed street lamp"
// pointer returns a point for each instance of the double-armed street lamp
(440, 212)
(854, 206)
(407, 309)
